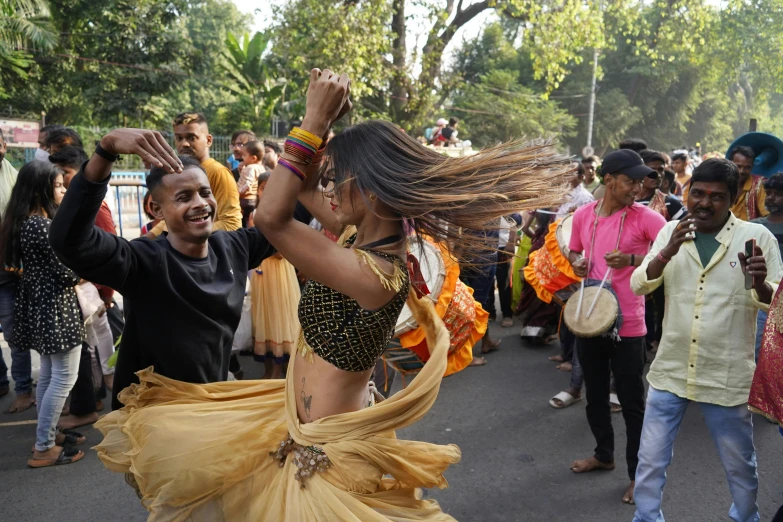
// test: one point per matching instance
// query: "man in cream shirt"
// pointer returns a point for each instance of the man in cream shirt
(706, 354)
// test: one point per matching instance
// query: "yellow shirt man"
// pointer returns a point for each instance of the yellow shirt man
(228, 214)
(709, 325)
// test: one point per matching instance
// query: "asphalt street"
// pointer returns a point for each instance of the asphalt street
(516, 452)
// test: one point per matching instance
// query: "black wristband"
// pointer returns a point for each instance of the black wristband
(633, 260)
(105, 155)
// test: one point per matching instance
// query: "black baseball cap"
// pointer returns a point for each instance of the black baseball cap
(626, 161)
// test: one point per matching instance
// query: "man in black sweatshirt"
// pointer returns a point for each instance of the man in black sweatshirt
(183, 291)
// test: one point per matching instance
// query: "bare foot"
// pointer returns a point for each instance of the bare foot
(488, 345)
(478, 361)
(590, 464)
(72, 421)
(628, 497)
(565, 367)
(277, 371)
(557, 358)
(22, 402)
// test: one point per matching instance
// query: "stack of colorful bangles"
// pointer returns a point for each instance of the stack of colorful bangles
(302, 147)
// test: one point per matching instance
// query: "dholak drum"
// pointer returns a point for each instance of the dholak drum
(602, 318)
(549, 271)
(434, 271)
(563, 234)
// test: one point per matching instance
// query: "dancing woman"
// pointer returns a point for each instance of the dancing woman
(202, 452)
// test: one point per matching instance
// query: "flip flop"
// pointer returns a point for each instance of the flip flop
(557, 358)
(565, 398)
(68, 455)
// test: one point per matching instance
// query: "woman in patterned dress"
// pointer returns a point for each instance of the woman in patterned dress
(47, 317)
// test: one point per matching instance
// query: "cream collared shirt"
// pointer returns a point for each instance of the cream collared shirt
(706, 353)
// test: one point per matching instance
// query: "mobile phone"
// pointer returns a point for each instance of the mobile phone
(750, 248)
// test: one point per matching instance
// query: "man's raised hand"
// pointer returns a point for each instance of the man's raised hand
(149, 145)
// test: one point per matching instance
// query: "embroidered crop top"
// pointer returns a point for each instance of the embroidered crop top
(340, 331)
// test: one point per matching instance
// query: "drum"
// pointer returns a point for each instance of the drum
(434, 271)
(549, 271)
(563, 234)
(602, 318)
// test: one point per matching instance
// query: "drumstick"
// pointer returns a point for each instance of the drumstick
(581, 295)
(595, 299)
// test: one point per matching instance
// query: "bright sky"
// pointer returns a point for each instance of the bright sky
(417, 26)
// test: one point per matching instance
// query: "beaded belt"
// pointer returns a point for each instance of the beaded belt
(307, 459)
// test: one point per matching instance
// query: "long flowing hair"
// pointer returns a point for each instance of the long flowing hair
(34, 191)
(440, 196)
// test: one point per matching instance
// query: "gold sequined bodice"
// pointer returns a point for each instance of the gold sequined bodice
(343, 333)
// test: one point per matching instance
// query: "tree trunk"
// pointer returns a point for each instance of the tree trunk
(399, 85)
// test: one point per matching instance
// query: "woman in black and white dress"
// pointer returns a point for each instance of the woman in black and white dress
(47, 317)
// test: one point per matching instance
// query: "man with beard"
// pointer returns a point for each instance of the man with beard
(749, 203)
(183, 291)
(774, 223)
(615, 233)
(21, 363)
(706, 355)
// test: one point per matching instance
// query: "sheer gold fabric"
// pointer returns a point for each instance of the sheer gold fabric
(202, 452)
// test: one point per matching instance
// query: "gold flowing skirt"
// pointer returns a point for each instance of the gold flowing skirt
(201, 452)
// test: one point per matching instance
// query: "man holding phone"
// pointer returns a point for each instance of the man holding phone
(706, 353)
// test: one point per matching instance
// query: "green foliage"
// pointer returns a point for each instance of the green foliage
(350, 36)
(257, 91)
(497, 109)
(24, 27)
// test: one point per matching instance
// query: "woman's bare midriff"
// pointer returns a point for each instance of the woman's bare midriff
(321, 389)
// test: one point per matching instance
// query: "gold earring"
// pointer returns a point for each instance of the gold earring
(373, 197)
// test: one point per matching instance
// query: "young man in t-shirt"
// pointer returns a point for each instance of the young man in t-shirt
(183, 291)
(615, 233)
(774, 222)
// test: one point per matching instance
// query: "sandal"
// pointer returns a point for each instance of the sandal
(68, 455)
(71, 438)
(614, 403)
(565, 400)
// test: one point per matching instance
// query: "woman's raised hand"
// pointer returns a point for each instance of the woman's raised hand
(327, 100)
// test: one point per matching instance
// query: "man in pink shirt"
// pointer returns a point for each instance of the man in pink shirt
(615, 232)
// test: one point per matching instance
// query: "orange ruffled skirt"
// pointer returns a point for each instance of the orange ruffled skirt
(202, 452)
(548, 270)
(275, 298)
(465, 320)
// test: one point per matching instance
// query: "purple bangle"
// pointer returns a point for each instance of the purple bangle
(293, 169)
(662, 259)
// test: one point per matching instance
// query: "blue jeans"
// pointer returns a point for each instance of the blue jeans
(21, 366)
(761, 321)
(732, 432)
(55, 381)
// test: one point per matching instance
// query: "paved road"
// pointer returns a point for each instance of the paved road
(516, 452)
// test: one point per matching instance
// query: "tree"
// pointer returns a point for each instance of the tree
(24, 26)
(252, 80)
(498, 109)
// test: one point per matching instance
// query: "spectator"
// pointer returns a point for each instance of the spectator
(20, 360)
(47, 317)
(238, 141)
(271, 152)
(42, 152)
(61, 137)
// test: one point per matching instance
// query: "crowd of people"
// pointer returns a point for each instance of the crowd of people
(318, 250)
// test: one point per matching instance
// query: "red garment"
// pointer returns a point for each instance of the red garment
(104, 221)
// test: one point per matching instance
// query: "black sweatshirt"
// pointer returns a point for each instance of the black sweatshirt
(181, 312)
